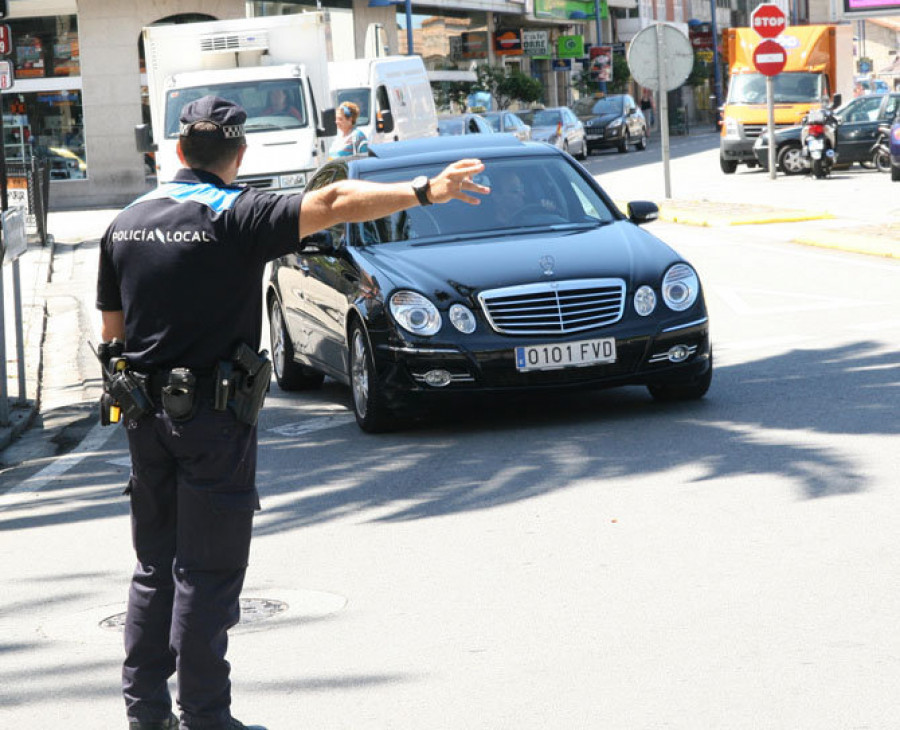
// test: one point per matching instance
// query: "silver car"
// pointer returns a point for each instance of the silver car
(509, 123)
(560, 127)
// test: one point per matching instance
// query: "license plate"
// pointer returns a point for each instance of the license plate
(566, 355)
(815, 144)
(595, 136)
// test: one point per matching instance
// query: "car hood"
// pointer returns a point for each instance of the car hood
(450, 272)
(601, 120)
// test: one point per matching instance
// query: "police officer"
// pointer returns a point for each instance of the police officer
(180, 283)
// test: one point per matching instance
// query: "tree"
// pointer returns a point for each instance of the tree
(506, 88)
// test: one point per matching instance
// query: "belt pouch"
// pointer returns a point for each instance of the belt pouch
(178, 395)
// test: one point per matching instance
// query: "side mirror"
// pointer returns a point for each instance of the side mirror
(642, 211)
(329, 124)
(143, 138)
(630, 110)
(384, 121)
(836, 101)
(319, 242)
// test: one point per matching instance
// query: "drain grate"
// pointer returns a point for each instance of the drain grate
(253, 610)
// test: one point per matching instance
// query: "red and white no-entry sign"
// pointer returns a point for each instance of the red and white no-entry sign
(769, 58)
(768, 20)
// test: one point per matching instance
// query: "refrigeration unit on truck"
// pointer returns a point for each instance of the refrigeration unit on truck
(275, 67)
(393, 94)
(819, 69)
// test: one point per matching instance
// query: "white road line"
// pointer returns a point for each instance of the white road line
(312, 424)
(90, 446)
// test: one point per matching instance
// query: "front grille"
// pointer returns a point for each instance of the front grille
(752, 131)
(263, 183)
(234, 42)
(554, 307)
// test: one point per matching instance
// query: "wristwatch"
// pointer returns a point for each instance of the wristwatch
(421, 185)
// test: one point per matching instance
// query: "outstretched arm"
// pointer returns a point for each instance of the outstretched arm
(354, 201)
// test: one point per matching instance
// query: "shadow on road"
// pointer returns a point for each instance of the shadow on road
(761, 417)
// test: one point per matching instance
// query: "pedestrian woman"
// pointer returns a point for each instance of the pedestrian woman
(350, 140)
(647, 107)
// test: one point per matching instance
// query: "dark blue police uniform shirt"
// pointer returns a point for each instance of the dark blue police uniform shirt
(185, 262)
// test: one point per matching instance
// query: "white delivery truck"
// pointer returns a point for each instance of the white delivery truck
(275, 67)
(393, 95)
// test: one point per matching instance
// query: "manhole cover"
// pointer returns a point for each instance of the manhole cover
(253, 610)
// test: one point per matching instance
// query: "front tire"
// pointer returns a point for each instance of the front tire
(626, 140)
(819, 169)
(895, 173)
(882, 160)
(642, 142)
(369, 406)
(790, 160)
(289, 374)
(728, 166)
(694, 390)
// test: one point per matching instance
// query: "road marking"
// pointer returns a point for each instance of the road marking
(313, 424)
(90, 446)
(746, 301)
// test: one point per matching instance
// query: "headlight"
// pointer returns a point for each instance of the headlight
(614, 123)
(644, 301)
(462, 318)
(732, 129)
(292, 180)
(415, 313)
(680, 287)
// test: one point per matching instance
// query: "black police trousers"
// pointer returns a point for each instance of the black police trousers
(193, 495)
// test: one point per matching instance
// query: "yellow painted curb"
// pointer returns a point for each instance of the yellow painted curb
(705, 213)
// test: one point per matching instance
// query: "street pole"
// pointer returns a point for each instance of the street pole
(410, 51)
(600, 38)
(716, 71)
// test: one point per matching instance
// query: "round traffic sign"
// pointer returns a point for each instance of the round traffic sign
(769, 58)
(768, 20)
(664, 43)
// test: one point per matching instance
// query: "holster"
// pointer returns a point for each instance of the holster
(246, 380)
(129, 390)
(178, 395)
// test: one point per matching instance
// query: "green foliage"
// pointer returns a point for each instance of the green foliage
(506, 88)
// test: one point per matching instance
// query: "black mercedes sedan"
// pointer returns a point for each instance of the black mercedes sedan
(545, 284)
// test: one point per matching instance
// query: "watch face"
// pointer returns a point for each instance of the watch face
(420, 182)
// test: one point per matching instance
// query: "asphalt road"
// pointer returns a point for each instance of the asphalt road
(570, 561)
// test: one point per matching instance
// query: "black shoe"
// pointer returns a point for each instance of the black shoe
(170, 724)
(238, 725)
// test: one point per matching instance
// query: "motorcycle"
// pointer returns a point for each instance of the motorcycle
(818, 140)
(881, 150)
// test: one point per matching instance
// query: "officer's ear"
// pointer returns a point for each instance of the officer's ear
(180, 153)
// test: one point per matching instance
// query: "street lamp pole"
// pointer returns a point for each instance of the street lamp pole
(716, 71)
(409, 31)
(600, 37)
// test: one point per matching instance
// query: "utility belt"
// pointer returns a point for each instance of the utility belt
(239, 385)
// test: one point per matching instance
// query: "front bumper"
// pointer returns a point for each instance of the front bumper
(597, 138)
(740, 150)
(487, 364)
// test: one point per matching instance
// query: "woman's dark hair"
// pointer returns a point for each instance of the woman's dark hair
(206, 151)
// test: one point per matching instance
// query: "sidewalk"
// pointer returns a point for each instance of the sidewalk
(56, 299)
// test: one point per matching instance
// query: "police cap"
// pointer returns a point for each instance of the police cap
(227, 117)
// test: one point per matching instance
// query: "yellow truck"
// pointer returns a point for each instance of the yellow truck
(819, 69)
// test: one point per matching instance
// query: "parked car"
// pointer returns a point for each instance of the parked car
(468, 123)
(508, 122)
(558, 126)
(857, 131)
(545, 284)
(894, 142)
(612, 121)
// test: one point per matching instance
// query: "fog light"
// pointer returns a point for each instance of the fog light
(437, 378)
(679, 353)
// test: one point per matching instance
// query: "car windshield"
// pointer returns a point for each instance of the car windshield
(610, 105)
(493, 120)
(450, 126)
(527, 194)
(789, 88)
(275, 104)
(546, 118)
(360, 97)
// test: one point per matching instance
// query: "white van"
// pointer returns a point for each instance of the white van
(393, 95)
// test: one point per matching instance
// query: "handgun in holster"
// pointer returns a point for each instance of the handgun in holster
(248, 376)
(124, 391)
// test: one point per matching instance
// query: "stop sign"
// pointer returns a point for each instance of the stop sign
(768, 20)
(769, 57)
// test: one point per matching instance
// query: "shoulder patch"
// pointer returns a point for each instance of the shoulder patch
(216, 198)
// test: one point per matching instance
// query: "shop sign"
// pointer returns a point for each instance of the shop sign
(15, 238)
(550, 9)
(5, 40)
(601, 63)
(474, 44)
(508, 42)
(700, 35)
(570, 46)
(6, 75)
(561, 64)
(536, 42)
